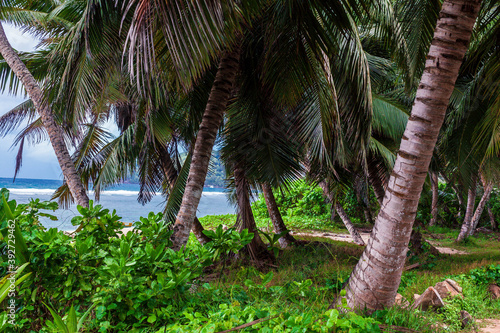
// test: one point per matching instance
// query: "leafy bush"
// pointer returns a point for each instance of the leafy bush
(133, 280)
(485, 275)
(300, 200)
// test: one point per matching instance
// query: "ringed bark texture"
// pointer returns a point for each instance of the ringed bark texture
(471, 201)
(275, 216)
(375, 279)
(71, 176)
(212, 118)
(435, 196)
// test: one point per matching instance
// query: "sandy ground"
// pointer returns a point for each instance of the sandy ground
(490, 326)
(365, 236)
(329, 235)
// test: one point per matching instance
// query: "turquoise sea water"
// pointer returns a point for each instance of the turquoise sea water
(123, 198)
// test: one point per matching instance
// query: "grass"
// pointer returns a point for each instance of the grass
(328, 264)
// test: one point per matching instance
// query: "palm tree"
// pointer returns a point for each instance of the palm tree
(55, 134)
(375, 279)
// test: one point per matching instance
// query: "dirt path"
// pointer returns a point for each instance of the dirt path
(365, 236)
(492, 326)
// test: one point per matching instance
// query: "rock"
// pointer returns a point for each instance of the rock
(448, 288)
(494, 291)
(415, 296)
(430, 298)
(401, 301)
(465, 318)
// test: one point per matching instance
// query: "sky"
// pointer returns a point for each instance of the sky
(38, 162)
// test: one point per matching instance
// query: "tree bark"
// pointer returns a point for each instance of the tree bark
(348, 224)
(275, 216)
(70, 174)
(488, 187)
(172, 175)
(375, 280)
(435, 195)
(212, 118)
(471, 201)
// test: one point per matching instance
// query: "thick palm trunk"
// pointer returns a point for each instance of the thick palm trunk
(71, 176)
(471, 201)
(212, 118)
(172, 175)
(348, 224)
(275, 216)
(488, 187)
(375, 280)
(435, 196)
(336, 206)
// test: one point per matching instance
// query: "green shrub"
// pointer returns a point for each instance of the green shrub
(301, 199)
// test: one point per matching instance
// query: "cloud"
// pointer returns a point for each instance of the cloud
(38, 161)
(19, 40)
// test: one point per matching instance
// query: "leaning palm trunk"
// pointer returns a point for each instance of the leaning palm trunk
(336, 206)
(71, 176)
(471, 201)
(275, 216)
(348, 224)
(172, 175)
(375, 279)
(212, 118)
(488, 187)
(435, 196)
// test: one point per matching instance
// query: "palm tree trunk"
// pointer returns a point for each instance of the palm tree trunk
(375, 279)
(435, 196)
(257, 249)
(492, 217)
(348, 224)
(172, 175)
(275, 215)
(471, 201)
(336, 206)
(488, 187)
(71, 176)
(212, 118)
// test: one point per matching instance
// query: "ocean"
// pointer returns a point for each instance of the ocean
(123, 198)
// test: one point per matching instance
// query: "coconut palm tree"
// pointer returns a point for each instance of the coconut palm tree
(374, 281)
(47, 118)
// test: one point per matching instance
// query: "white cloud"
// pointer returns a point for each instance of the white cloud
(38, 161)
(19, 40)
